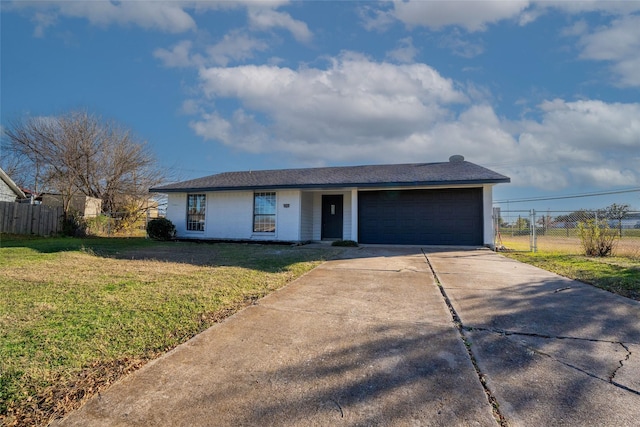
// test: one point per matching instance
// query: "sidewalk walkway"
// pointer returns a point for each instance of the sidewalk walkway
(370, 340)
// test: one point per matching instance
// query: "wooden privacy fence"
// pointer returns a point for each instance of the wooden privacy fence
(24, 218)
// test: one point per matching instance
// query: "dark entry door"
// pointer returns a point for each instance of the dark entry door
(332, 216)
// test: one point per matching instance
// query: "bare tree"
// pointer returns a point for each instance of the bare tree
(617, 212)
(17, 167)
(78, 153)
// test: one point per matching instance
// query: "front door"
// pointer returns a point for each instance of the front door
(332, 216)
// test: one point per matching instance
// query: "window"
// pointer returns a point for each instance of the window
(195, 211)
(264, 212)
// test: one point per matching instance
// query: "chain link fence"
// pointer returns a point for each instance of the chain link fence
(559, 231)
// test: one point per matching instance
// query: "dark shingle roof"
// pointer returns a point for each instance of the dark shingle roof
(456, 172)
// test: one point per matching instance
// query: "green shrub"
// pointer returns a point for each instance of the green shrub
(161, 229)
(98, 225)
(74, 225)
(597, 238)
(350, 243)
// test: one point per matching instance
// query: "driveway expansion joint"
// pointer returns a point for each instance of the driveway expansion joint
(491, 399)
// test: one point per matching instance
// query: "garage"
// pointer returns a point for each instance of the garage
(421, 217)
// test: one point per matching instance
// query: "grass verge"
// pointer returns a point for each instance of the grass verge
(620, 275)
(77, 314)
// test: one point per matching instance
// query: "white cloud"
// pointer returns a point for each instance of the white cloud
(627, 70)
(169, 16)
(477, 133)
(313, 107)
(470, 15)
(611, 7)
(235, 46)
(578, 28)
(389, 93)
(190, 107)
(529, 15)
(476, 15)
(376, 19)
(582, 142)
(408, 113)
(614, 42)
(618, 43)
(608, 174)
(461, 46)
(266, 19)
(42, 21)
(405, 52)
(594, 124)
(179, 55)
(212, 126)
(162, 16)
(201, 5)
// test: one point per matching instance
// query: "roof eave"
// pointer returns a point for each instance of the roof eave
(14, 187)
(338, 185)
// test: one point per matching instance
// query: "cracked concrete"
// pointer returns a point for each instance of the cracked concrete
(628, 373)
(369, 340)
(553, 351)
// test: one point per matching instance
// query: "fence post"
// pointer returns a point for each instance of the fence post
(496, 228)
(533, 242)
(146, 223)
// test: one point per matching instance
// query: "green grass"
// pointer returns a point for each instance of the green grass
(75, 314)
(620, 275)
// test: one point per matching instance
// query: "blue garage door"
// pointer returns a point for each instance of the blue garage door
(421, 217)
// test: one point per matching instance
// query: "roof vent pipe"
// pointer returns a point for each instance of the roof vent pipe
(456, 158)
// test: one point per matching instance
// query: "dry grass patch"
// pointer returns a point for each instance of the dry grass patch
(75, 315)
(628, 247)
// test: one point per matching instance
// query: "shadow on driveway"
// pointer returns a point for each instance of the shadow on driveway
(368, 339)
(555, 351)
(359, 341)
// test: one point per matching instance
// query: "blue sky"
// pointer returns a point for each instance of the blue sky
(546, 92)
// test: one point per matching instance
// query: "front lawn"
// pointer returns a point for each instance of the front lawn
(620, 275)
(77, 314)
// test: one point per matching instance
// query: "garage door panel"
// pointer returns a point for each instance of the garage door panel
(425, 217)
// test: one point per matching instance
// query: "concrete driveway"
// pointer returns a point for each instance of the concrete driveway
(372, 339)
(554, 351)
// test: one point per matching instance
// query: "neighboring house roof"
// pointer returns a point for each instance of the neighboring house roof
(454, 172)
(12, 185)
